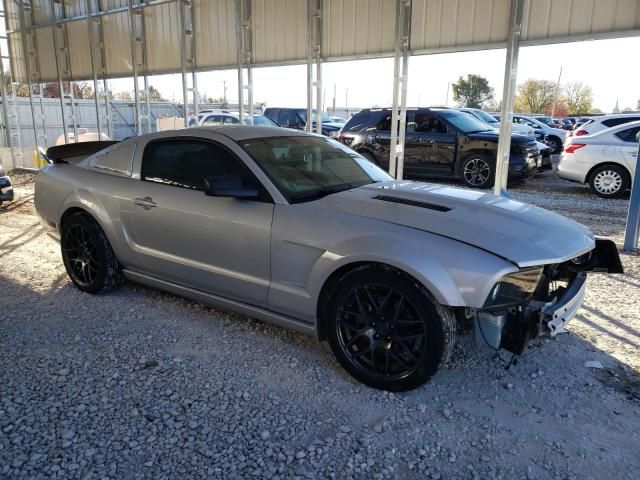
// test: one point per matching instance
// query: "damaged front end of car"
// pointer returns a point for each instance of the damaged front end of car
(539, 301)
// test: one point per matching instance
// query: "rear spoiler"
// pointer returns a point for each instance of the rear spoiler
(60, 153)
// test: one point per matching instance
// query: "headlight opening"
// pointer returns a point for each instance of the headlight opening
(514, 288)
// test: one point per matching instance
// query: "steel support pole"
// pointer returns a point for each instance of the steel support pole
(30, 50)
(317, 51)
(183, 63)
(633, 217)
(94, 74)
(240, 14)
(134, 63)
(309, 125)
(508, 96)
(247, 53)
(400, 77)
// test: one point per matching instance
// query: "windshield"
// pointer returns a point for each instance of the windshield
(307, 168)
(465, 123)
(324, 118)
(260, 120)
(484, 116)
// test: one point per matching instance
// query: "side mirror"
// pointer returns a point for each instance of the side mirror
(228, 186)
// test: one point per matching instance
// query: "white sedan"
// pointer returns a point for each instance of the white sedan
(605, 160)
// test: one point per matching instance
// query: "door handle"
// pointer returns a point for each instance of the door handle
(147, 203)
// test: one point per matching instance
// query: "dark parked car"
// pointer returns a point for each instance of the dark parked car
(440, 143)
(297, 118)
(6, 189)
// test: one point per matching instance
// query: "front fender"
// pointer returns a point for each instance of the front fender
(456, 274)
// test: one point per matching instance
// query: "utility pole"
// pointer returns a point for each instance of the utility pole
(346, 100)
(224, 96)
(446, 100)
(334, 99)
(555, 100)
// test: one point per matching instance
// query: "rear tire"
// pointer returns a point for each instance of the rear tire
(478, 171)
(87, 255)
(386, 329)
(557, 145)
(609, 181)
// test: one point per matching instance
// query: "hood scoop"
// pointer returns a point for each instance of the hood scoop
(413, 203)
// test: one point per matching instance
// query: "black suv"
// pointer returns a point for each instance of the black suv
(297, 118)
(440, 142)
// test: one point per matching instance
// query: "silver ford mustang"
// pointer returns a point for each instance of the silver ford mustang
(298, 230)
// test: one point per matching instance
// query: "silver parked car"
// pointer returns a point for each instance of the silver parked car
(299, 230)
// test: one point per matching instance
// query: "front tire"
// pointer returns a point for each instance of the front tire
(87, 255)
(609, 181)
(478, 171)
(386, 330)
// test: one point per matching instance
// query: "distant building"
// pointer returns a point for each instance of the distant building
(616, 109)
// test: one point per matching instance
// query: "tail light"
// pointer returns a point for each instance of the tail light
(579, 133)
(572, 147)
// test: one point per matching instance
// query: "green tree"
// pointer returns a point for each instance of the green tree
(535, 96)
(155, 95)
(473, 91)
(578, 97)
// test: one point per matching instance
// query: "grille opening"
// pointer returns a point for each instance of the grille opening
(413, 203)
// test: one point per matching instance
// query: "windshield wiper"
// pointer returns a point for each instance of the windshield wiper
(324, 191)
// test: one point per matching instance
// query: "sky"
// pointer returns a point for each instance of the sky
(605, 65)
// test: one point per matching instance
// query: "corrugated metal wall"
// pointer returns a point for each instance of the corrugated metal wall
(123, 117)
(351, 29)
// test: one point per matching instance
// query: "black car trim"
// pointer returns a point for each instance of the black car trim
(413, 203)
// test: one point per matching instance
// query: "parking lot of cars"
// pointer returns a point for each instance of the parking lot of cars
(144, 383)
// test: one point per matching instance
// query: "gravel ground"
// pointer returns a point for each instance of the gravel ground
(143, 384)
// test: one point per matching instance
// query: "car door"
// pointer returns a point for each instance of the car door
(414, 144)
(436, 145)
(215, 244)
(629, 148)
(380, 139)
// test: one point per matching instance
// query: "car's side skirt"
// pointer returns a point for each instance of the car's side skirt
(215, 300)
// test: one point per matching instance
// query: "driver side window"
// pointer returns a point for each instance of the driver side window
(187, 162)
(288, 118)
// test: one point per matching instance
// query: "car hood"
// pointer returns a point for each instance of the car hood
(523, 234)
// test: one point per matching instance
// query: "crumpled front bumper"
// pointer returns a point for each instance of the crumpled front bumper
(512, 329)
(546, 314)
(555, 315)
(6, 189)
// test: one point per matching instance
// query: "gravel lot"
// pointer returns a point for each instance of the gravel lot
(143, 384)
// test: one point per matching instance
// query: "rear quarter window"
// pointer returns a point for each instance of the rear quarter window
(629, 135)
(613, 122)
(117, 160)
(357, 123)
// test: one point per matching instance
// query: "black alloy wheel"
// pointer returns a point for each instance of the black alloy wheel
(386, 330)
(87, 255)
(80, 251)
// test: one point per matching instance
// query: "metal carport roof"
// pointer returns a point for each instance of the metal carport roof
(351, 29)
